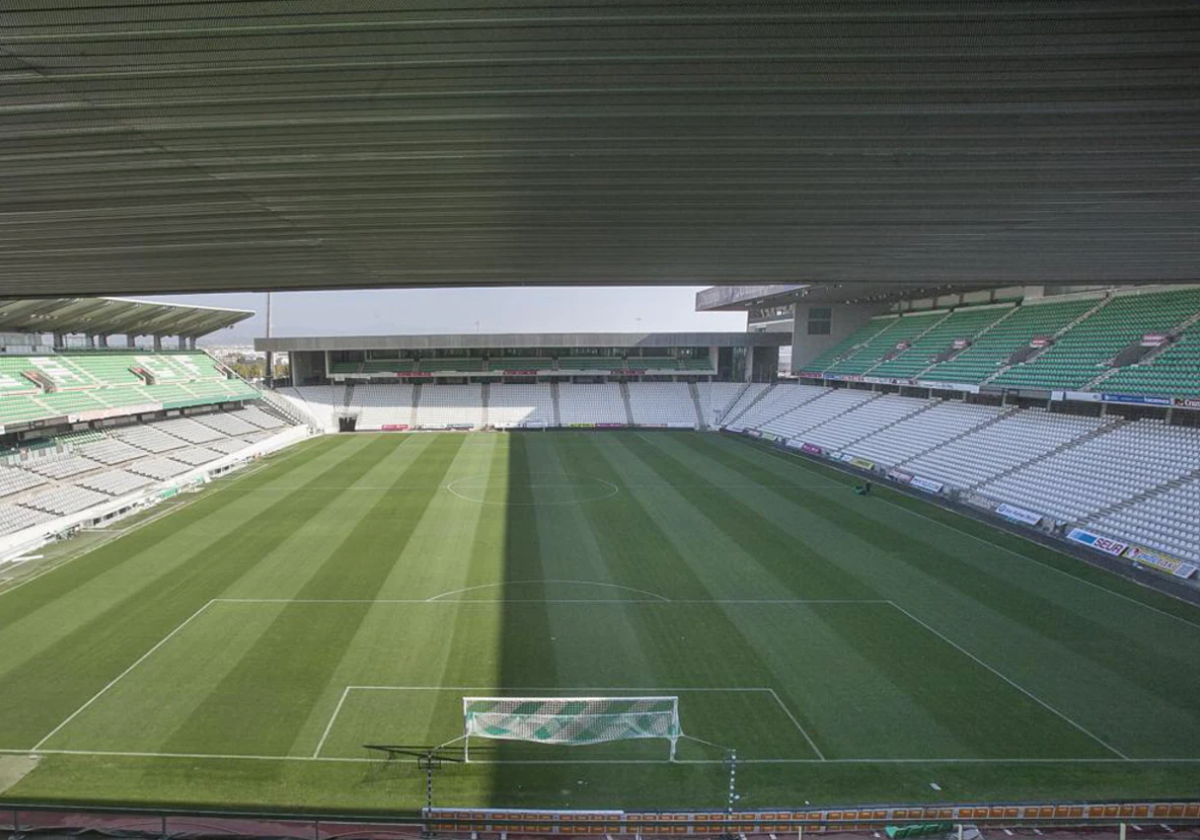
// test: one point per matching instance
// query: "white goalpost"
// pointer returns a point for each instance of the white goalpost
(571, 721)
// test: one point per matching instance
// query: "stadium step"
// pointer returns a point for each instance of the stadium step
(719, 418)
(912, 340)
(1149, 357)
(554, 400)
(1100, 304)
(627, 404)
(1003, 415)
(416, 404)
(484, 393)
(1149, 493)
(729, 421)
(695, 392)
(1103, 430)
(348, 395)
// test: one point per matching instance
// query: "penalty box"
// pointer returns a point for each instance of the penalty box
(863, 680)
(754, 721)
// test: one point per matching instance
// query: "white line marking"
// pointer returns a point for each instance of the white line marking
(673, 602)
(797, 460)
(333, 717)
(570, 691)
(1014, 684)
(121, 676)
(792, 717)
(608, 487)
(998, 761)
(549, 580)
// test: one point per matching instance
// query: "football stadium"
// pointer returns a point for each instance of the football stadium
(915, 553)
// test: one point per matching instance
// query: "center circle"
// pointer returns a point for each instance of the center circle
(535, 488)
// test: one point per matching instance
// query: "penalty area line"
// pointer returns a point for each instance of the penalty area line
(37, 747)
(618, 761)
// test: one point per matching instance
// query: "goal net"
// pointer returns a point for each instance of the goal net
(572, 721)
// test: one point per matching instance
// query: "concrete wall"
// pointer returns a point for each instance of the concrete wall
(847, 318)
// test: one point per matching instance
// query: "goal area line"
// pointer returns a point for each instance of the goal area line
(606, 691)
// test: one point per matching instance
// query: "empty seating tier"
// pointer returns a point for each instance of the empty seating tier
(662, 403)
(516, 405)
(1080, 354)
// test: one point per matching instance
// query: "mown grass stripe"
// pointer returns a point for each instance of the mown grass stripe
(295, 656)
(40, 693)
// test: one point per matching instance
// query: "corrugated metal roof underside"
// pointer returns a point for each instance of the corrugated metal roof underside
(305, 144)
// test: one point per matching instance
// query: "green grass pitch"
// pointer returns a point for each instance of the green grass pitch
(241, 650)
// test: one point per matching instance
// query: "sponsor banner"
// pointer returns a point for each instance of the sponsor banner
(900, 475)
(795, 444)
(1160, 562)
(581, 425)
(1019, 514)
(459, 427)
(533, 372)
(1040, 341)
(1180, 402)
(903, 345)
(883, 380)
(603, 425)
(927, 485)
(1108, 546)
(1155, 339)
(845, 377)
(949, 386)
(961, 343)
(812, 449)
(413, 374)
(771, 436)
(1135, 399)
(627, 371)
(394, 427)
(1082, 396)
(861, 463)
(533, 424)
(807, 374)
(754, 433)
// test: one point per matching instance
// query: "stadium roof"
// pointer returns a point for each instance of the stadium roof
(740, 298)
(499, 341)
(234, 146)
(114, 316)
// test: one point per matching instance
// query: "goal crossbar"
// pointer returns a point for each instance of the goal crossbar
(572, 721)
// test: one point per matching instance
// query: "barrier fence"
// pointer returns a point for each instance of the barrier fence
(25, 819)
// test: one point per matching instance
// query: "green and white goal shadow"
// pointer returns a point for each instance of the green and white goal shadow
(753, 720)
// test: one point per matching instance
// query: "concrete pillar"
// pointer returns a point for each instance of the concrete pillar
(89, 341)
(60, 341)
(130, 342)
(158, 344)
(192, 342)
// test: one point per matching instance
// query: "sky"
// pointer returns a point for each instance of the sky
(413, 311)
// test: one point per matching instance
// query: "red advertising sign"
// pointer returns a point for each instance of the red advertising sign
(1154, 339)
(812, 449)
(520, 373)
(902, 345)
(1040, 341)
(394, 427)
(961, 343)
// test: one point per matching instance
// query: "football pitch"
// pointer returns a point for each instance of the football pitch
(240, 651)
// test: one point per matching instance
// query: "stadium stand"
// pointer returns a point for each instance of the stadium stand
(915, 435)
(64, 499)
(1175, 370)
(114, 482)
(378, 406)
(938, 342)
(50, 386)
(859, 341)
(1167, 522)
(1079, 356)
(16, 481)
(775, 402)
(516, 405)
(441, 406)
(888, 343)
(1000, 447)
(148, 438)
(812, 413)
(662, 403)
(1112, 468)
(717, 398)
(861, 421)
(990, 352)
(591, 404)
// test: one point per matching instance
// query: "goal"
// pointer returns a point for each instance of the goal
(571, 721)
